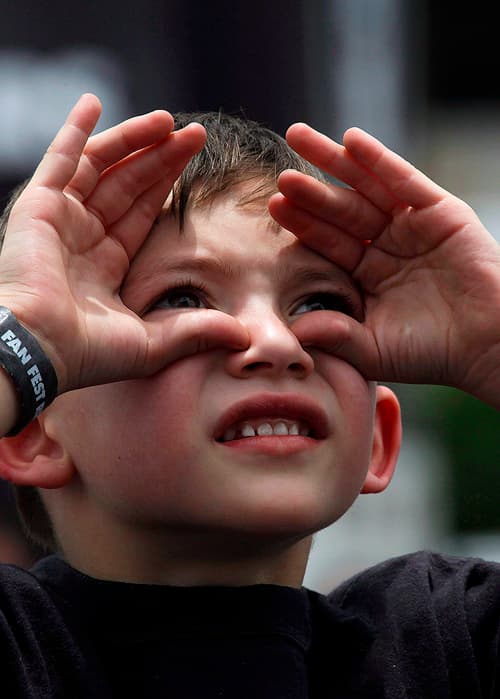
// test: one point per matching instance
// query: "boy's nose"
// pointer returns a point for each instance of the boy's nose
(273, 351)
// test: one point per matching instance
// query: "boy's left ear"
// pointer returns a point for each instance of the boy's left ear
(386, 441)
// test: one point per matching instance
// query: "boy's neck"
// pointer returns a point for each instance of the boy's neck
(187, 561)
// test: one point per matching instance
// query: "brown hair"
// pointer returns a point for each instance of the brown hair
(237, 151)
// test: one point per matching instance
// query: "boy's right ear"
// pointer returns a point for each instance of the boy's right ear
(33, 457)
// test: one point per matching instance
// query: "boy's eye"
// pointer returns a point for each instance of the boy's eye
(327, 301)
(181, 297)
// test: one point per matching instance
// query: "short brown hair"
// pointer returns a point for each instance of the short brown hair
(237, 151)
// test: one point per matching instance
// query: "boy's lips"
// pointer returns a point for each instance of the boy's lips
(273, 407)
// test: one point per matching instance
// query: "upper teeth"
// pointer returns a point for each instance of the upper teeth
(280, 427)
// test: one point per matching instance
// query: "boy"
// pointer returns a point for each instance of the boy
(226, 411)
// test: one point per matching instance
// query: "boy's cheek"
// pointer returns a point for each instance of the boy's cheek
(119, 463)
(321, 330)
(354, 395)
(339, 374)
(158, 407)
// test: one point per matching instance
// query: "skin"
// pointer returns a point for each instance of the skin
(167, 487)
(70, 240)
(429, 259)
(77, 229)
(91, 204)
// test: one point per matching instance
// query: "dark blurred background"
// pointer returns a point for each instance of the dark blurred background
(421, 75)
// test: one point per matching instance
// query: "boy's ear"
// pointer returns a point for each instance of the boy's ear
(386, 441)
(33, 457)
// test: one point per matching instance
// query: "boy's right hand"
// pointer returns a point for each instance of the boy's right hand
(71, 237)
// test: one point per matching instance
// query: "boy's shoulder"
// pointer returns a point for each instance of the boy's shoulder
(405, 587)
(421, 575)
(19, 587)
(40, 655)
(431, 622)
(420, 625)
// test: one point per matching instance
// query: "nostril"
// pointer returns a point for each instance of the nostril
(255, 366)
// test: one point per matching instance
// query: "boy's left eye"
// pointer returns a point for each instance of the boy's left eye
(327, 301)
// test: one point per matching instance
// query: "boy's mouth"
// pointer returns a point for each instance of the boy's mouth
(271, 415)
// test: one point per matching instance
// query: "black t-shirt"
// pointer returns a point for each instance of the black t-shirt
(417, 626)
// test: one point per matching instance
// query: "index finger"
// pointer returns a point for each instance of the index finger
(63, 155)
(109, 147)
(408, 184)
(335, 159)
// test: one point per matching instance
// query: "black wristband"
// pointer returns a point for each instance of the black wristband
(29, 368)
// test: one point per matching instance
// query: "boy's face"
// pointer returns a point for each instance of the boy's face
(170, 452)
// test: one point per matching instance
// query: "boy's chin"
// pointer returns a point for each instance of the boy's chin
(280, 522)
(301, 511)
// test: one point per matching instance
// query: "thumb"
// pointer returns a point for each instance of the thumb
(191, 332)
(342, 336)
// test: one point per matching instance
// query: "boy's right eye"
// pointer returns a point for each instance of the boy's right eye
(181, 297)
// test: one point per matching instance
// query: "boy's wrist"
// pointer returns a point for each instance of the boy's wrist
(28, 367)
(483, 379)
(9, 404)
(478, 365)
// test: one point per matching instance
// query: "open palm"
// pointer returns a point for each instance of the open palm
(427, 273)
(71, 237)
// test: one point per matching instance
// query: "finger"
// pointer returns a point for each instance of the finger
(63, 155)
(342, 207)
(341, 336)
(325, 238)
(122, 185)
(132, 228)
(109, 147)
(192, 332)
(333, 158)
(405, 182)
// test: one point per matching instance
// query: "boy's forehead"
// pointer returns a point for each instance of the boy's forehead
(226, 234)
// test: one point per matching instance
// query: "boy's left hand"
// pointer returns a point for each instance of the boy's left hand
(430, 275)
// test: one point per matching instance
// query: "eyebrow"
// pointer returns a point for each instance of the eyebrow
(208, 264)
(300, 273)
(305, 273)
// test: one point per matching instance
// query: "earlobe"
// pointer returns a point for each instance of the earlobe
(34, 458)
(386, 441)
